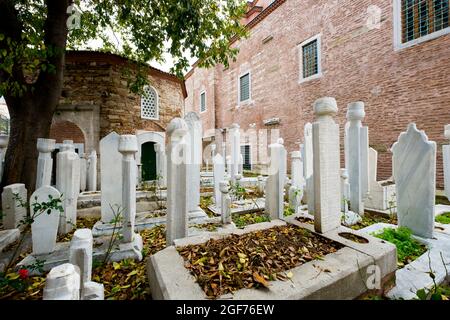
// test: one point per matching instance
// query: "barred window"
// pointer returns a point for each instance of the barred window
(244, 87)
(246, 155)
(150, 104)
(203, 102)
(310, 59)
(423, 17)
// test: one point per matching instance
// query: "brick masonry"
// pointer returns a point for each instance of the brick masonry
(96, 99)
(358, 63)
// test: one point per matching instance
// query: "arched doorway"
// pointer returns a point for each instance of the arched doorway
(148, 161)
(147, 158)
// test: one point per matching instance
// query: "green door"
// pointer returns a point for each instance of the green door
(148, 161)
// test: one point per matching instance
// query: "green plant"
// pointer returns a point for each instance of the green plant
(115, 236)
(408, 249)
(237, 192)
(37, 208)
(242, 220)
(437, 292)
(443, 218)
(288, 211)
(392, 204)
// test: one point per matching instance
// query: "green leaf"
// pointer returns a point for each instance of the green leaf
(421, 294)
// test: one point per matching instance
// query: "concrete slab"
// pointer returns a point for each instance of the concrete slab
(144, 220)
(415, 275)
(346, 276)
(8, 237)
(245, 207)
(440, 209)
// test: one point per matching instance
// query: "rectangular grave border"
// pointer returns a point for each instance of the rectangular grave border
(170, 280)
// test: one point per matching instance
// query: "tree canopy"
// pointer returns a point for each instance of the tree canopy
(141, 30)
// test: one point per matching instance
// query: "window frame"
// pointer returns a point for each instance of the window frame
(157, 103)
(203, 92)
(398, 36)
(249, 87)
(249, 154)
(319, 74)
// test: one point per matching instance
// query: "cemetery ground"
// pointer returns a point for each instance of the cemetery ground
(127, 279)
(320, 232)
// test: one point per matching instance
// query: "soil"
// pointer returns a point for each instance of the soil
(353, 237)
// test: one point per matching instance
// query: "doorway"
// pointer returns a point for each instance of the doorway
(148, 161)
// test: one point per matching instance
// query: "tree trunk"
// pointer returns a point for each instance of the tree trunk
(28, 123)
(31, 114)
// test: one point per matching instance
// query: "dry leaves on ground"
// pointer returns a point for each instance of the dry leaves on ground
(251, 260)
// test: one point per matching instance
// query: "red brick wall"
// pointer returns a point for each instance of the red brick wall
(65, 130)
(398, 87)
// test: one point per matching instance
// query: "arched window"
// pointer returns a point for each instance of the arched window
(150, 104)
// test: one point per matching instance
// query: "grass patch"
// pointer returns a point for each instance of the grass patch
(242, 220)
(408, 249)
(443, 218)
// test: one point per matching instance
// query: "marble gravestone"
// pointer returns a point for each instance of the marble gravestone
(44, 229)
(161, 163)
(308, 160)
(235, 144)
(446, 157)
(92, 171)
(195, 144)
(3, 144)
(81, 249)
(345, 190)
(80, 253)
(219, 175)
(110, 176)
(276, 180)
(225, 206)
(177, 180)
(327, 193)
(13, 212)
(45, 162)
(382, 193)
(128, 147)
(414, 162)
(63, 283)
(68, 184)
(83, 173)
(356, 158)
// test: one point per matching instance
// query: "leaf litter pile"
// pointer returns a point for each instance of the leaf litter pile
(251, 260)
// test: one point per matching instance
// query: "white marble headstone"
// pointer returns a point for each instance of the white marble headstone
(110, 175)
(219, 175)
(13, 212)
(276, 180)
(327, 191)
(177, 180)
(194, 124)
(92, 171)
(446, 157)
(414, 159)
(44, 229)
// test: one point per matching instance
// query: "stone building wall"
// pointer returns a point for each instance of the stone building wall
(358, 63)
(96, 98)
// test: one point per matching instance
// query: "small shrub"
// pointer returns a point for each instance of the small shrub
(408, 249)
(443, 218)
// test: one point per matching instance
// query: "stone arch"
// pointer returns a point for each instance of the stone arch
(67, 130)
(146, 137)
